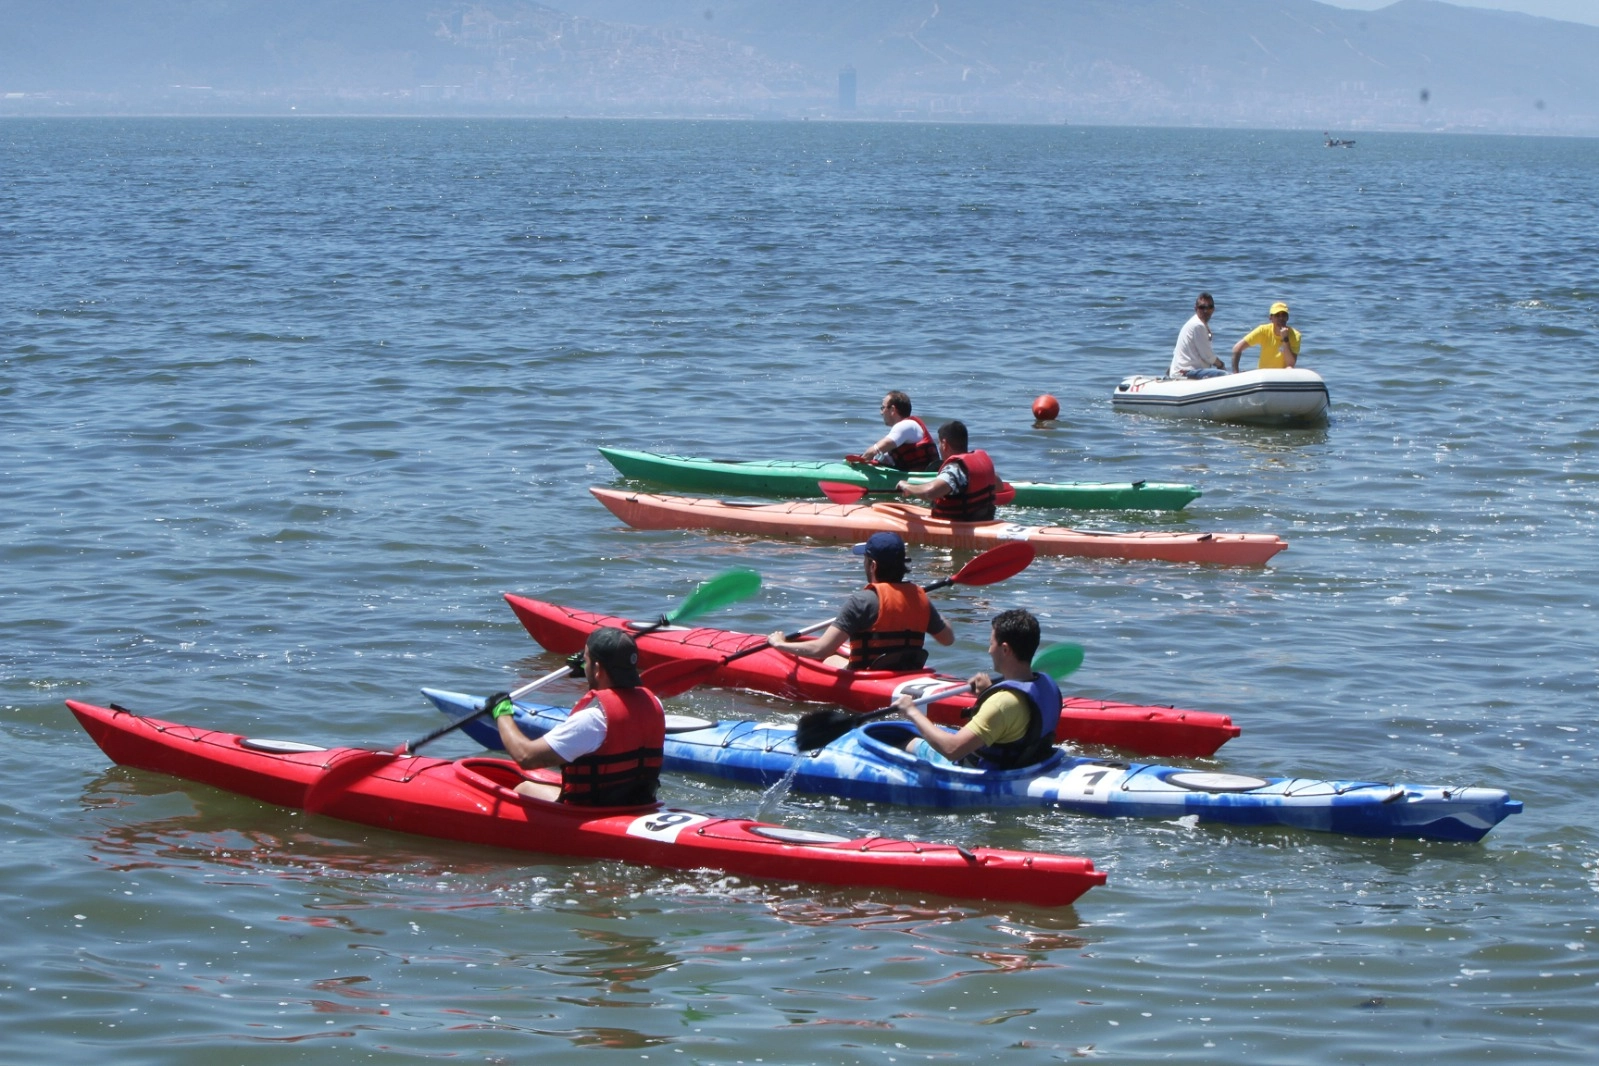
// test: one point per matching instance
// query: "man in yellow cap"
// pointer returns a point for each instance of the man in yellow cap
(1279, 342)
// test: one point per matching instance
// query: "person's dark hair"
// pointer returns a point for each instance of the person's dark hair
(1204, 298)
(890, 570)
(955, 434)
(899, 402)
(1019, 629)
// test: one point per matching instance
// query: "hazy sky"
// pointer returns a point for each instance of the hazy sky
(1570, 10)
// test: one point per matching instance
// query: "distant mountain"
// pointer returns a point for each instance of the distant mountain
(1417, 64)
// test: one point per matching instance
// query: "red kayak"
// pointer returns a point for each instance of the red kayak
(1164, 731)
(474, 800)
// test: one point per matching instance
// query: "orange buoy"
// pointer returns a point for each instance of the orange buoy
(1046, 407)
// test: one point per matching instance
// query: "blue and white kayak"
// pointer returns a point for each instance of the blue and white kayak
(870, 763)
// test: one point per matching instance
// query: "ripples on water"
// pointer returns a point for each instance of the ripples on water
(289, 405)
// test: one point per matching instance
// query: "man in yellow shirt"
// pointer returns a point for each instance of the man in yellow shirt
(1279, 342)
(1013, 723)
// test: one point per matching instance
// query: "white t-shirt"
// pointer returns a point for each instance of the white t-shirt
(1193, 348)
(905, 431)
(582, 732)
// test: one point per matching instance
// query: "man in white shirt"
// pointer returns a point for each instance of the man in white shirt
(1192, 357)
(908, 444)
(609, 748)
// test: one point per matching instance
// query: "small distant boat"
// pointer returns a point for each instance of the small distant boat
(1257, 397)
(1336, 142)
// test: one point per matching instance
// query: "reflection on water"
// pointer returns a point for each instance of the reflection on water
(619, 963)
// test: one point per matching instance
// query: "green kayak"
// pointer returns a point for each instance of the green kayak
(776, 477)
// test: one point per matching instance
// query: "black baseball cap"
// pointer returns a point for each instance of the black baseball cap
(615, 650)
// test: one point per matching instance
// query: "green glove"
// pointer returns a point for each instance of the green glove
(499, 704)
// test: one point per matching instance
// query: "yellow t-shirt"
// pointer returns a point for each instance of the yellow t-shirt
(1002, 718)
(1271, 353)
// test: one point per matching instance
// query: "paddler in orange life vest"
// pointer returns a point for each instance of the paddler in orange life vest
(884, 622)
(609, 747)
(908, 445)
(1013, 722)
(965, 486)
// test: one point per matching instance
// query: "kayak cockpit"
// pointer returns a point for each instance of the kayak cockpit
(887, 741)
(499, 778)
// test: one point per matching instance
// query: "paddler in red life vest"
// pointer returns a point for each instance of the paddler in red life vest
(609, 747)
(965, 486)
(885, 622)
(1013, 722)
(908, 445)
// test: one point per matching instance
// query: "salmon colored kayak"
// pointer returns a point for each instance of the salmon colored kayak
(474, 801)
(853, 522)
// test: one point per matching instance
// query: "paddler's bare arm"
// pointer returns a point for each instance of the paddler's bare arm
(935, 489)
(953, 746)
(815, 648)
(529, 754)
(881, 448)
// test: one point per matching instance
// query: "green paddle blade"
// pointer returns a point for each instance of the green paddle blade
(720, 591)
(1058, 660)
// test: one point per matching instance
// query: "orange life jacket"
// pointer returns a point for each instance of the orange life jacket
(976, 504)
(895, 639)
(625, 769)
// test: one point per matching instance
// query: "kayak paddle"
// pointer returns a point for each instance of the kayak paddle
(839, 492)
(994, 565)
(720, 591)
(818, 729)
(723, 590)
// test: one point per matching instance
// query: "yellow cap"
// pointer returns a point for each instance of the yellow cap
(1278, 306)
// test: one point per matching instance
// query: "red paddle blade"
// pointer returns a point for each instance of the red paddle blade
(1006, 493)
(340, 776)
(996, 564)
(839, 492)
(675, 678)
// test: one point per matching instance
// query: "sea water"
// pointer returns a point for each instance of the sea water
(288, 405)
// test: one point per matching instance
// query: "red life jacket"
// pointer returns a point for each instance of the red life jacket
(895, 640)
(976, 504)
(625, 770)
(917, 455)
